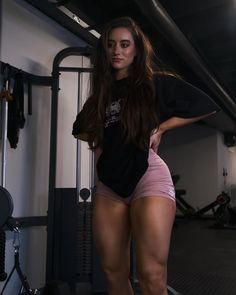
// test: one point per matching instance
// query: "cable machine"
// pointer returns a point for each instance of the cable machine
(69, 245)
(7, 222)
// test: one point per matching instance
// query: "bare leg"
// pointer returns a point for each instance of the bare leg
(111, 228)
(152, 220)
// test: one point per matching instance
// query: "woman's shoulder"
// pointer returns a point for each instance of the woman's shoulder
(166, 82)
(167, 77)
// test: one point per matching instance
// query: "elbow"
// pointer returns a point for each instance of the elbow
(82, 136)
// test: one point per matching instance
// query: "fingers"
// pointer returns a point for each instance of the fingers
(154, 147)
(155, 140)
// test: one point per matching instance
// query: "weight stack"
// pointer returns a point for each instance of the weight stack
(84, 242)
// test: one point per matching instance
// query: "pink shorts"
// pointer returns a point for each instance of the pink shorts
(156, 181)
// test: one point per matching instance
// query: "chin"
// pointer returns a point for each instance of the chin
(117, 67)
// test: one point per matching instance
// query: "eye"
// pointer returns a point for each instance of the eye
(110, 44)
(125, 44)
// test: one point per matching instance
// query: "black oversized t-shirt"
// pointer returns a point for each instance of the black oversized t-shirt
(121, 165)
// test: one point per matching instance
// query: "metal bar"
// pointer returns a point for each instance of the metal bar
(23, 222)
(53, 12)
(28, 77)
(164, 24)
(93, 184)
(79, 70)
(78, 144)
(92, 174)
(5, 70)
(72, 51)
(38, 80)
(91, 170)
(52, 177)
(4, 141)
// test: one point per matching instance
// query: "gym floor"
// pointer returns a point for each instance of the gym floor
(202, 258)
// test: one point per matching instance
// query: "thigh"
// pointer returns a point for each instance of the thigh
(156, 181)
(105, 191)
(111, 230)
(152, 220)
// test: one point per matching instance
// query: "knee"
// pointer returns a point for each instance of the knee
(153, 278)
(115, 272)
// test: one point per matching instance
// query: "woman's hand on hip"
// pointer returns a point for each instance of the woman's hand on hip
(155, 139)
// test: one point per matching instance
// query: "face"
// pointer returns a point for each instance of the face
(121, 51)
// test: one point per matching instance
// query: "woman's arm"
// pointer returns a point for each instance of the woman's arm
(175, 122)
(98, 153)
(82, 136)
(169, 124)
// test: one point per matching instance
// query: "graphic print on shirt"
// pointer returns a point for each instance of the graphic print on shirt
(113, 112)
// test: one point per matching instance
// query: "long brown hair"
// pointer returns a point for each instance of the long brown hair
(138, 115)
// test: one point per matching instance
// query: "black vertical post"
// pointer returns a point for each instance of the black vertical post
(53, 231)
(52, 177)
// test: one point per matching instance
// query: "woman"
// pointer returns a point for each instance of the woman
(132, 104)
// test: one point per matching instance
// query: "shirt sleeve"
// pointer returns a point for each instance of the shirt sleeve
(84, 124)
(178, 98)
(76, 130)
(79, 125)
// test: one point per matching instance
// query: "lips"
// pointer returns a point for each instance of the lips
(116, 59)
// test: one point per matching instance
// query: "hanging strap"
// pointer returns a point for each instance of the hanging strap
(16, 118)
(5, 92)
(25, 285)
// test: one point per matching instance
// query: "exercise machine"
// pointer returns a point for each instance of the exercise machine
(6, 202)
(224, 215)
(222, 200)
(7, 221)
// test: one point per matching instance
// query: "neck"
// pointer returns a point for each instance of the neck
(121, 75)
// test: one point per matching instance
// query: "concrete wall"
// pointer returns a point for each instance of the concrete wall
(197, 153)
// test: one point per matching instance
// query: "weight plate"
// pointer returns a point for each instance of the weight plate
(6, 205)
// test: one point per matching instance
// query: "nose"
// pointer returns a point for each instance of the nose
(116, 49)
